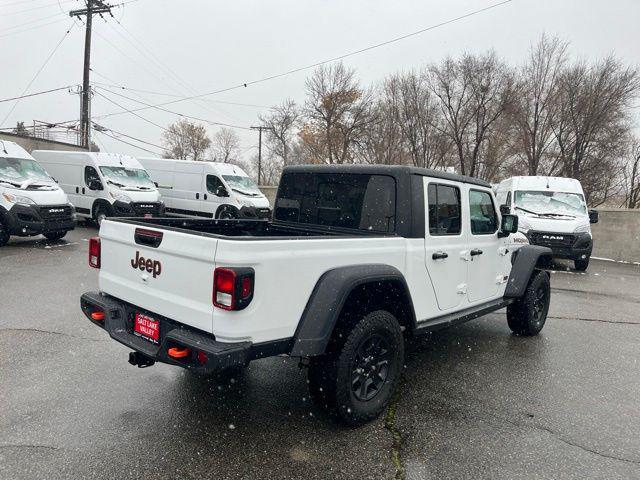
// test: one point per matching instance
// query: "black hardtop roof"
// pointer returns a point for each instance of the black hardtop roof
(392, 170)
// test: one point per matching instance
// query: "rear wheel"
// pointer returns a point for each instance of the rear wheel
(528, 314)
(356, 379)
(53, 236)
(4, 234)
(581, 264)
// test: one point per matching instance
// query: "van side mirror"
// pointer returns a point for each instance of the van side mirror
(505, 209)
(509, 225)
(95, 184)
(221, 191)
(156, 184)
(593, 216)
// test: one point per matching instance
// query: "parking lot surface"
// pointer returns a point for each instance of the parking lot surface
(475, 402)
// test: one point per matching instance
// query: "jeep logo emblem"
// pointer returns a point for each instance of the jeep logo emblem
(142, 264)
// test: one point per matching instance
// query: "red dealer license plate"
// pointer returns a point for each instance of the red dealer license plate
(146, 327)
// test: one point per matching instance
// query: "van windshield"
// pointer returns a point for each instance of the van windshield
(19, 170)
(127, 177)
(551, 203)
(242, 184)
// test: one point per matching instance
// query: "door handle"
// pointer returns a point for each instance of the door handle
(197, 196)
(475, 251)
(77, 189)
(205, 196)
(83, 190)
(440, 255)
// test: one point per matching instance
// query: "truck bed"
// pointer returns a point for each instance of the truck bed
(246, 229)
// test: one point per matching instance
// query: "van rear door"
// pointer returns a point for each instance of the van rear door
(166, 272)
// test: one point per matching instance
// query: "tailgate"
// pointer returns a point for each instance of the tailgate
(173, 279)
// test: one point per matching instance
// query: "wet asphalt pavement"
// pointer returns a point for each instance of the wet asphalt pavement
(476, 401)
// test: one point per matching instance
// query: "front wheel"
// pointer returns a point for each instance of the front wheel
(357, 378)
(581, 264)
(53, 236)
(100, 214)
(227, 213)
(528, 314)
(4, 234)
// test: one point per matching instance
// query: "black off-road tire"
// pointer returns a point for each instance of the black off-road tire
(4, 234)
(54, 236)
(528, 314)
(370, 351)
(581, 264)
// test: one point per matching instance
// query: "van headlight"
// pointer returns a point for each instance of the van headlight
(584, 228)
(121, 197)
(19, 199)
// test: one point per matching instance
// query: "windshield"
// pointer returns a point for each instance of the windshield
(127, 177)
(242, 184)
(19, 170)
(554, 203)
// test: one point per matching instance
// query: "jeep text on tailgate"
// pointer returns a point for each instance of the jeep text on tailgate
(355, 259)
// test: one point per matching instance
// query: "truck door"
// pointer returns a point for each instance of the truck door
(446, 251)
(88, 190)
(487, 252)
(217, 194)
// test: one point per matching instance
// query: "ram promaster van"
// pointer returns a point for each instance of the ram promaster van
(552, 213)
(102, 185)
(207, 189)
(30, 201)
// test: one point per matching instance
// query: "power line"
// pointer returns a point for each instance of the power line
(210, 122)
(30, 22)
(330, 60)
(35, 8)
(24, 92)
(129, 111)
(102, 128)
(36, 94)
(129, 143)
(33, 28)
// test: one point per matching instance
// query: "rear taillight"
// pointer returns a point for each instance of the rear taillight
(233, 288)
(94, 252)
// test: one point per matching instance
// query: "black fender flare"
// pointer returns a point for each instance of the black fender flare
(328, 298)
(524, 261)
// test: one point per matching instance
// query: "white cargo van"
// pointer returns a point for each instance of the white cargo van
(552, 213)
(30, 201)
(103, 185)
(207, 189)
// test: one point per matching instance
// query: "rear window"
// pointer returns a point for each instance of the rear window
(356, 201)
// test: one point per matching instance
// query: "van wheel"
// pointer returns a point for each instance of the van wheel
(100, 214)
(227, 213)
(528, 314)
(356, 379)
(4, 234)
(581, 264)
(53, 236)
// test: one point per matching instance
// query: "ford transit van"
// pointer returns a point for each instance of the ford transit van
(31, 203)
(207, 189)
(102, 185)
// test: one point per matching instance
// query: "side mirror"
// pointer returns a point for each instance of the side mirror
(593, 216)
(221, 192)
(95, 184)
(509, 225)
(505, 209)
(156, 184)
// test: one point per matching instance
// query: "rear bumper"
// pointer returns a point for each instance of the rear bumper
(572, 246)
(29, 220)
(118, 322)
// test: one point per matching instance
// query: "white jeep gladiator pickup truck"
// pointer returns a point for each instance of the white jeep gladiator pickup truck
(354, 259)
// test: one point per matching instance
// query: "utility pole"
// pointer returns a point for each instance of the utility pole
(93, 7)
(260, 128)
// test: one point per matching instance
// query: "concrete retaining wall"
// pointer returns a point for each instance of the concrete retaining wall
(32, 143)
(617, 235)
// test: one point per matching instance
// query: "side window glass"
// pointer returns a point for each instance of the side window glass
(508, 200)
(483, 216)
(444, 209)
(215, 186)
(90, 174)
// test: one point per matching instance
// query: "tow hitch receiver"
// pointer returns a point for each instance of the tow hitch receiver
(140, 360)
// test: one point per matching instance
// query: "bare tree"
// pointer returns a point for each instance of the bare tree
(281, 122)
(186, 140)
(473, 93)
(338, 112)
(536, 106)
(226, 146)
(631, 177)
(593, 124)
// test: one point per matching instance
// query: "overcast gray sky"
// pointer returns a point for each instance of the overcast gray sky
(187, 47)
